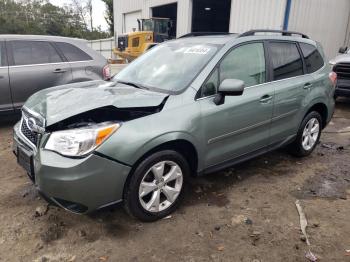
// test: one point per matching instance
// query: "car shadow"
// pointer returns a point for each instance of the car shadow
(343, 103)
(9, 120)
(212, 189)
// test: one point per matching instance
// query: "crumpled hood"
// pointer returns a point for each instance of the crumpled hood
(345, 58)
(58, 103)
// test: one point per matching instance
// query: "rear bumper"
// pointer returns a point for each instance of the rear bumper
(78, 185)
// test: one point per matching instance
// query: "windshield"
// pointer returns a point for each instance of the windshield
(169, 67)
(161, 26)
(147, 25)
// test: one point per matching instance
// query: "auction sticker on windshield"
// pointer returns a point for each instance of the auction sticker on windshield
(199, 50)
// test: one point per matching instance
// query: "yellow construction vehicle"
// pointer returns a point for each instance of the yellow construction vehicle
(150, 32)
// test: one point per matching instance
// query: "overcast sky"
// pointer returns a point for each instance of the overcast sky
(99, 9)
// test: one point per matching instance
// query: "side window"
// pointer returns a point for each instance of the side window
(34, 52)
(72, 53)
(286, 60)
(211, 85)
(313, 58)
(3, 60)
(246, 63)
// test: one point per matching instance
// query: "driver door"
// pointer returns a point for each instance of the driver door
(241, 125)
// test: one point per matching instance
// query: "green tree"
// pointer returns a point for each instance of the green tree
(109, 15)
(42, 18)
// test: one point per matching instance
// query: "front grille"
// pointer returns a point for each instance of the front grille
(32, 137)
(122, 42)
(342, 70)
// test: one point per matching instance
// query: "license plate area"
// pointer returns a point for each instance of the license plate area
(25, 160)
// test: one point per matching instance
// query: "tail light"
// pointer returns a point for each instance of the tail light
(333, 77)
(106, 71)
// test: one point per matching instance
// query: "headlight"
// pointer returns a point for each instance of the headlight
(80, 141)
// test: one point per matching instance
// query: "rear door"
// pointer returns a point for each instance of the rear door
(291, 86)
(313, 63)
(34, 65)
(5, 92)
(82, 64)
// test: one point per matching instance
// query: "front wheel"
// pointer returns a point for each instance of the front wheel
(156, 186)
(308, 135)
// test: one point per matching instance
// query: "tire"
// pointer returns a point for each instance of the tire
(300, 149)
(142, 205)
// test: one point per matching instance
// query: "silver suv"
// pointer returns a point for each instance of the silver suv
(341, 66)
(31, 63)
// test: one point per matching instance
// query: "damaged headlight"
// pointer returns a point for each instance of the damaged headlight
(80, 141)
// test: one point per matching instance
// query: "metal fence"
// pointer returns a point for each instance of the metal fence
(103, 46)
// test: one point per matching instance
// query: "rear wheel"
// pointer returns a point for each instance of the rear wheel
(308, 135)
(156, 186)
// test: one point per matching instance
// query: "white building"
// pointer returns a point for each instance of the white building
(327, 21)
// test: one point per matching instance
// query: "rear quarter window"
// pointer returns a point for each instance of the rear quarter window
(73, 53)
(313, 59)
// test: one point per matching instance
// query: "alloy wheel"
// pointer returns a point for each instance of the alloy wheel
(160, 186)
(310, 134)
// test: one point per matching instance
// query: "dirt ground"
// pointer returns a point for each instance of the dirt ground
(246, 213)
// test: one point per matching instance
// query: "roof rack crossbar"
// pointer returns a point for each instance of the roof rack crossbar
(203, 34)
(283, 32)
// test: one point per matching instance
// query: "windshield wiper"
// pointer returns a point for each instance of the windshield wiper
(133, 84)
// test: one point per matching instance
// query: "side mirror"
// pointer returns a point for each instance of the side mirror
(229, 87)
(343, 50)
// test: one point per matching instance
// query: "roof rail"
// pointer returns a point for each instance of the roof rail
(284, 33)
(203, 34)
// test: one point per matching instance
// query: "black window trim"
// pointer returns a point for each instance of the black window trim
(302, 58)
(217, 66)
(3, 45)
(60, 53)
(11, 60)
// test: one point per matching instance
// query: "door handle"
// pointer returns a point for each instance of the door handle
(265, 99)
(59, 70)
(307, 86)
(1, 77)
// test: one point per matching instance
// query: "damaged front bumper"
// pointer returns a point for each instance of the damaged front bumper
(78, 185)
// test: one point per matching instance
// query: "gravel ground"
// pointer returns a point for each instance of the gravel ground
(246, 213)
